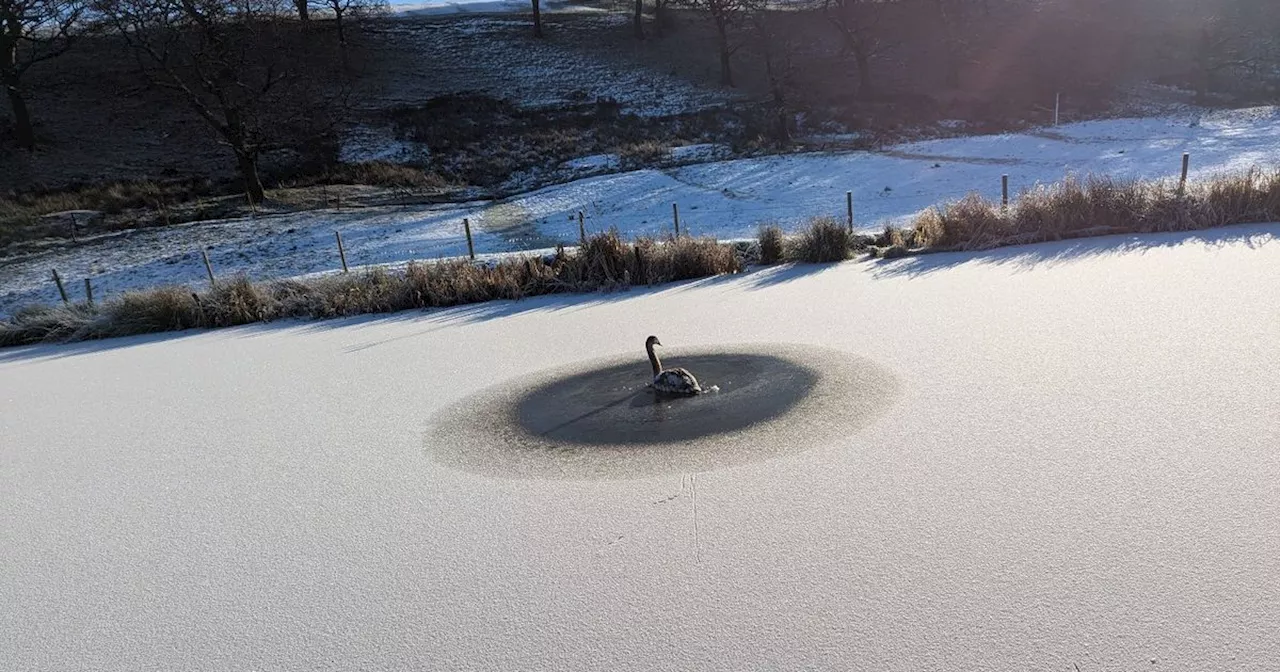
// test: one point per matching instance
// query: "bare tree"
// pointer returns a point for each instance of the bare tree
(346, 11)
(952, 16)
(32, 31)
(240, 67)
(777, 50)
(639, 25)
(537, 18)
(726, 16)
(1235, 47)
(858, 23)
(304, 10)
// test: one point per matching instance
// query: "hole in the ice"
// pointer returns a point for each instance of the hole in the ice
(600, 421)
(614, 406)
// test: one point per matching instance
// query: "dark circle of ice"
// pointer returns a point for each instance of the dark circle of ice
(613, 405)
(600, 421)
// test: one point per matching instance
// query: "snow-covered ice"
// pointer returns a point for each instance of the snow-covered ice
(726, 199)
(1080, 469)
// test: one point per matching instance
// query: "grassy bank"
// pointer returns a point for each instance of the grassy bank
(1071, 209)
(605, 261)
(91, 208)
(1096, 206)
(1074, 208)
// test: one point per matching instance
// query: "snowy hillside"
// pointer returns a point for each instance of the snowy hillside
(1076, 468)
(726, 199)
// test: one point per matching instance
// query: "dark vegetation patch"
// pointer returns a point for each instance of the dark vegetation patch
(480, 140)
(80, 210)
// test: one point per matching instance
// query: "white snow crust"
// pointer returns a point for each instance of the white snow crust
(1081, 469)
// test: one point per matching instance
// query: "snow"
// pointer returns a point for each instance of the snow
(496, 57)
(366, 143)
(726, 199)
(593, 163)
(1079, 469)
(706, 151)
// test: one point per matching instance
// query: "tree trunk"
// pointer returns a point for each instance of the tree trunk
(639, 25)
(863, 61)
(304, 11)
(25, 134)
(248, 165)
(782, 131)
(726, 74)
(659, 17)
(342, 41)
(26, 137)
(537, 19)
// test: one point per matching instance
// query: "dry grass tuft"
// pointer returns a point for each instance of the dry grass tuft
(644, 153)
(161, 309)
(772, 244)
(375, 173)
(1098, 206)
(604, 261)
(686, 258)
(824, 240)
(34, 324)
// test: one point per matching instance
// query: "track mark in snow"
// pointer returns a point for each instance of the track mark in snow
(977, 161)
(693, 495)
(722, 191)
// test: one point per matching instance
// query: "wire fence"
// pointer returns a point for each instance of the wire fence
(329, 246)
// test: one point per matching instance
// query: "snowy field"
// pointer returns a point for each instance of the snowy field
(1078, 471)
(726, 199)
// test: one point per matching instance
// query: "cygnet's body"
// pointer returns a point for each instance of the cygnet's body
(670, 381)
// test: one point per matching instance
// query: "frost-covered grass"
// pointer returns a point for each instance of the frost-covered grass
(604, 261)
(20, 213)
(1098, 206)
(824, 240)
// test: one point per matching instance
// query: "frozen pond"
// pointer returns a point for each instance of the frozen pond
(1049, 457)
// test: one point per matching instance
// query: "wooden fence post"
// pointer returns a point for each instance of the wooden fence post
(1004, 191)
(582, 229)
(471, 250)
(675, 217)
(57, 279)
(1182, 182)
(848, 207)
(73, 228)
(88, 292)
(208, 267)
(1057, 100)
(342, 252)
